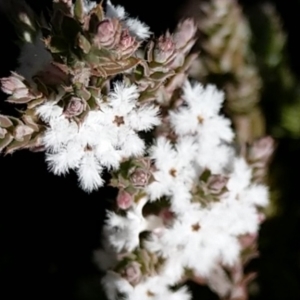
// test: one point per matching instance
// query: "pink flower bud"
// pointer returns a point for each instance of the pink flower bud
(21, 131)
(139, 178)
(164, 48)
(108, 33)
(126, 40)
(216, 183)
(3, 132)
(75, 107)
(133, 273)
(248, 240)
(167, 216)
(262, 149)
(124, 200)
(10, 85)
(127, 44)
(186, 30)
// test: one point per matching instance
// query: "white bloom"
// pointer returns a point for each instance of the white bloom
(202, 238)
(155, 288)
(203, 103)
(175, 169)
(240, 177)
(214, 157)
(104, 138)
(88, 5)
(256, 194)
(136, 28)
(114, 284)
(123, 231)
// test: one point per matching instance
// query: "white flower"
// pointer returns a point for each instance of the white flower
(174, 167)
(136, 28)
(214, 157)
(156, 288)
(256, 194)
(88, 5)
(203, 103)
(123, 231)
(104, 138)
(240, 177)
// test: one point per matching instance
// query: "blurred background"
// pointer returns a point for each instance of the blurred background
(248, 48)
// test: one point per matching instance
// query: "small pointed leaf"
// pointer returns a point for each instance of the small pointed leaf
(6, 141)
(5, 122)
(79, 10)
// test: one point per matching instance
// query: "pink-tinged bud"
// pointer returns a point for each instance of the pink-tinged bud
(13, 84)
(75, 107)
(261, 217)
(124, 200)
(132, 273)
(21, 131)
(126, 40)
(139, 178)
(216, 183)
(186, 30)
(164, 48)
(3, 132)
(167, 216)
(127, 44)
(248, 240)
(262, 149)
(108, 33)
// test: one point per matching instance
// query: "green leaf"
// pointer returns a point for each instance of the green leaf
(98, 12)
(6, 141)
(205, 175)
(83, 43)
(122, 67)
(5, 122)
(70, 28)
(83, 93)
(58, 44)
(161, 76)
(19, 100)
(147, 96)
(79, 10)
(35, 102)
(28, 120)
(15, 145)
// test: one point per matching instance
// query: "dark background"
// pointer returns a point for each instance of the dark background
(49, 227)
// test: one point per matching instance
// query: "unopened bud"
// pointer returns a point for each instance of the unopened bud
(185, 32)
(12, 84)
(128, 43)
(132, 273)
(108, 33)
(21, 131)
(139, 178)
(164, 48)
(216, 183)
(3, 132)
(124, 199)
(167, 216)
(262, 149)
(75, 107)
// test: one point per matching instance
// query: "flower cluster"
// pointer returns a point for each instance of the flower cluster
(188, 203)
(211, 202)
